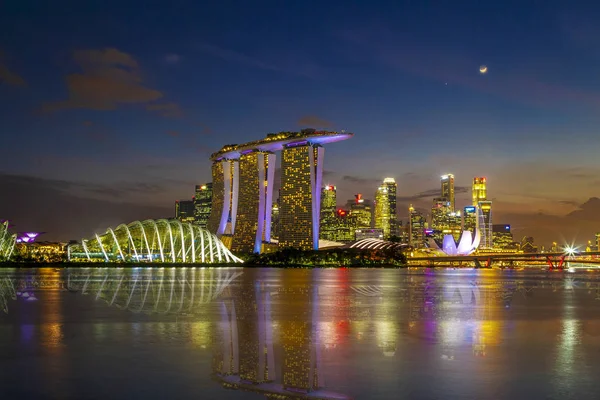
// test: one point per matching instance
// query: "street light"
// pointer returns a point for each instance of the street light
(570, 250)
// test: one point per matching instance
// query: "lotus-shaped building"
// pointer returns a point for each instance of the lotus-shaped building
(466, 245)
(151, 240)
(7, 241)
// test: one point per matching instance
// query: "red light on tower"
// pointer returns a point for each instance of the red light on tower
(483, 179)
(341, 213)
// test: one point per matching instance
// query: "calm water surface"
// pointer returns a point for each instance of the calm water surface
(194, 333)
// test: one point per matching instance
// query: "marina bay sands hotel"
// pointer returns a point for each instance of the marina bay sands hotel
(243, 179)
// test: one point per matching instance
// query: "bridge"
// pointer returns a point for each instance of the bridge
(554, 261)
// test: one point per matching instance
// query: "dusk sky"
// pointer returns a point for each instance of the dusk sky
(109, 110)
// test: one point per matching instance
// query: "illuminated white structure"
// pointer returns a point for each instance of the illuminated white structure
(466, 245)
(154, 241)
(7, 241)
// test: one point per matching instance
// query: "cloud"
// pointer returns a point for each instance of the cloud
(433, 193)
(314, 121)
(8, 76)
(172, 58)
(359, 180)
(173, 133)
(109, 78)
(167, 110)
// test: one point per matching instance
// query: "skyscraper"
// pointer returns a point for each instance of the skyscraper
(382, 210)
(360, 212)
(416, 228)
(329, 218)
(225, 182)
(448, 189)
(257, 171)
(479, 190)
(392, 188)
(203, 204)
(184, 210)
(484, 223)
(301, 176)
(470, 219)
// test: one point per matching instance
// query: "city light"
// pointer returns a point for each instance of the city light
(570, 250)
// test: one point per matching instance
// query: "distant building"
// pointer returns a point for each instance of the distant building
(345, 230)
(448, 189)
(329, 220)
(484, 224)
(444, 221)
(382, 210)
(527, 245)
(470, 219)
(203, 204)
(275, 220)
(598, 241)
(502, 237)
(360, 212)
(416, 228)
(373, 233)
(392, 188)
(184, 210)
(479, 190)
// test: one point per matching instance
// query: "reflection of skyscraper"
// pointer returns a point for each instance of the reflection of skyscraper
(226, 360)
(300, 201)
(448, 189)
(382, 210)
(255, 199)
(479, 190)
(329, 222)
(203, 204)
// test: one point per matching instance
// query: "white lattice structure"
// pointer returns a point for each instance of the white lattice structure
(7, 241)
(153, 290)
(159, 240)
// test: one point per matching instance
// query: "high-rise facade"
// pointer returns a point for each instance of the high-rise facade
(470, 219)
(361, 213)
(448, 189)
(301, 177)
(202, 204)
(382, 210)
(416, 228)
(484, 224)
(479, 190)
(502, 237)
(392, 189)
(184, 210)
(329, 218)
(255, 200)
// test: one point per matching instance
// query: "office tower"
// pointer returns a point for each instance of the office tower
(502, 237)
(470, 219)
(382, 210)
(184, 210)
(440, 221)
(255, 201)
(345, 231)
(448, 189)
(360, 211)
(597, 241)
(479, 190)
(368, 233)
(328, 213)
(484, 224)
(225, 174)
(203, 204)
(301, 176)
(392, 189)
(527, 245)
(416, 228)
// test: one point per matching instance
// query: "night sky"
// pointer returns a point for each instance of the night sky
(109, 110)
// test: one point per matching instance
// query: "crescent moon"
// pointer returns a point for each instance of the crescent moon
(483, 69)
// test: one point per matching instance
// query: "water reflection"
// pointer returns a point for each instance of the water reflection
(328, 334)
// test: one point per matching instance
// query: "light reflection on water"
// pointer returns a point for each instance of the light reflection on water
(376, 334)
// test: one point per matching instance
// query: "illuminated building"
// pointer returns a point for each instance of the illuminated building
(275, 221)
(448, 189)
(329, 220)
(470, 218)
(300, 193)
(527, 245)
(382, 210)
(440, 211)
(503, 238)
(479, 190)
(202, 204)
(345, 229)
(467, 244)
(42, 251)
(360, 212)
(416, 228)
(255, 201)
(392, 188)
(373, 233)
(225, 174)
(7, 241)
(555, 249)
(153, 241)
(484, 223)
(598, 241)
(184, 210)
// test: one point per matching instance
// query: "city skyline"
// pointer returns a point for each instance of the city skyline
(118, 129)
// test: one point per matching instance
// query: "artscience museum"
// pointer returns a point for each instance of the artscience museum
(466, 245)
